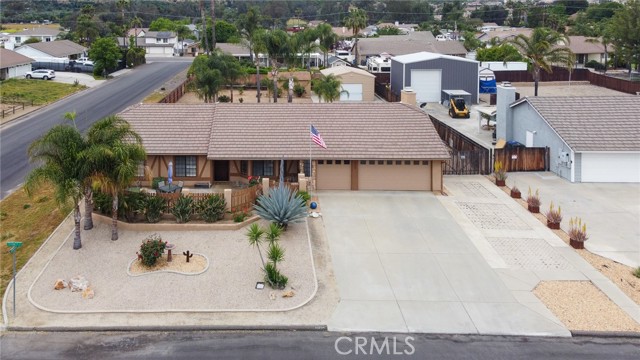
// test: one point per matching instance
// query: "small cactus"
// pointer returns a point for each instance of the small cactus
(188, 254)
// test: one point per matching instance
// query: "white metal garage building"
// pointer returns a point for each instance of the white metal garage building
(359, 85)
(590, 139)
(430, 73)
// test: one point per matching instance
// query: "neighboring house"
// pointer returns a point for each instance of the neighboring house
(241, 52)
(404, 28)
(13, 64)
(54, 51)
(586, 49)
(503, 34)
(159, 43)
(343, 32)
(334, 61)
(44, 34)
(413, 42)
(370, 146)
(590, 139)
(139, 32)
(359, 84)
(486, 27)
(427, 74)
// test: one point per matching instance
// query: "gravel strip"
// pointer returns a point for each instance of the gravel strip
(228, 284)
(580, 305)
(178, 264)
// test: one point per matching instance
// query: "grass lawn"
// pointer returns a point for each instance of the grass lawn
(41, 92)
(29, 220)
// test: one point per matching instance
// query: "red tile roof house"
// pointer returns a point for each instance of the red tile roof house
(370, 146)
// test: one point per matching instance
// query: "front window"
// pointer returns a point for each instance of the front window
(263, 168)
(185, 166)
(244, 167)
(165, 41)
(18, 39)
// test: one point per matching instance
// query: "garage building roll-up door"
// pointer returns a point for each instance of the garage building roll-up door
(334, 175)
(427, 85)
(354, 92)
(611, 167)
(394, 175)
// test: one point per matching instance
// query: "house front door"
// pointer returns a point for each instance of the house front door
(221, 170)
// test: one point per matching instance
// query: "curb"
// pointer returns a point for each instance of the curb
(606, 334)
(172, 328)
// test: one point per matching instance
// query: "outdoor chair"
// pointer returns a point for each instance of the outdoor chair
(180, 185)
(160, 184)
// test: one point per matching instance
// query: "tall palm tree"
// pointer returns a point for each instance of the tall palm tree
(136, 22)
(59, 154)
(276, 43)
(114, 152)
(542, 49)
(356, 21)
(328, 88)
(327, 39)
(122, 5)
(248, 24)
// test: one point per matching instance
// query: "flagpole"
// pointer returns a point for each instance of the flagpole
(310, 164)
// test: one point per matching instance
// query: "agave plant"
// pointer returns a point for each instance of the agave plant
(281, 206)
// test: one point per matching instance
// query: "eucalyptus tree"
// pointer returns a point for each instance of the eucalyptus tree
(208, 79)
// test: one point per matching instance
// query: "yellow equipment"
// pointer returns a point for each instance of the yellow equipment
(458, 108)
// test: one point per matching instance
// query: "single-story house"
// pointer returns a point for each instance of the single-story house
(54, 51)
(334, 61)
(358, 84)
(586, 49)
(44, 34)
(590, 138)
(370, 146)
(427, 74)
(13, 64)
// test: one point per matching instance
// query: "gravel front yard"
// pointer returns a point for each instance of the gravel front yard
(228, 284)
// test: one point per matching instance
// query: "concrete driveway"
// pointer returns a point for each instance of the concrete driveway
(403, 264)
(611, 211)
(83, 78)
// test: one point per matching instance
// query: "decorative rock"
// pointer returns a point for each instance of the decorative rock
(288, 294)
(60, 284)
(88, 293)
(272, 296)
(79, 283)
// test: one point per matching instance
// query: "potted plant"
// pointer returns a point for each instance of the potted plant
(500, 173)
(533, 201)
(577, 233)
(554, 217)
(515, 192)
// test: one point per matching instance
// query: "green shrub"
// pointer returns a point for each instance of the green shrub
(130, 204)
(102, 202)
(154, 207)
(223, 99)
(151, 249)
(183, 209)
(211, 208)
(299, 90)
(281, 206)
(636, 272)
(240, 216)
(155, 181)
(594, 65)
(274, 278)
(304, 195)
(26, 206)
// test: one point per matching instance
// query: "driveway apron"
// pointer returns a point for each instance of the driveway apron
(403, 263)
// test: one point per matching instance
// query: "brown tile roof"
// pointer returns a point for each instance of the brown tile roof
(415, 41)
(58, 48)
(169, 129)
(593, 123)
(10, 58)
(270, 131)
(580, 45)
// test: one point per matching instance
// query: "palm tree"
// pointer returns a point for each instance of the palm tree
(327, 38)
(114, 152)
(254, 235)
(328, 88)
(136, 22)
(356, 21)
(59, 151)
(122, 5)
(248, 24)
(276, 43)
(542, 49)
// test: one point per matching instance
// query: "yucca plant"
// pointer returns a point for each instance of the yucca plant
(281, 206)
(211, 208)
(183, 209)
(273, 233)
(254, 234)
(274, 278)
(154, 207)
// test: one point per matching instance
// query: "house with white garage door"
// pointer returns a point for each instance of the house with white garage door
(590, 139)
(427, 74)
(358, 84)
(369, 146)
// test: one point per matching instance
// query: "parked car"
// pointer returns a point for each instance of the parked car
(43, 74)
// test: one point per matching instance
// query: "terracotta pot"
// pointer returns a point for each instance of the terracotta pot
(515, 194)
(500, 182)
(576, 244)
(554, 226)
(533, 209)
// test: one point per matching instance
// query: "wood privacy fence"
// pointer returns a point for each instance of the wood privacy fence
(177, 93)
(523, 158)
(243, 199)
(467, 156)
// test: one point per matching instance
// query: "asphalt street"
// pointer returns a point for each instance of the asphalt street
(90, 105)
(285, 345)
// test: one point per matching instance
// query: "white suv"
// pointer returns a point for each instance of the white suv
(43, 74)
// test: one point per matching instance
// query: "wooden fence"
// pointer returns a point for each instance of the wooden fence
(12, 110)
(177, 93)
(467, 156)
(243, 199)
(523, 158)
(622, 85)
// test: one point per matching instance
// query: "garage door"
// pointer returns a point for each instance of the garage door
(427, 85)
(334, 175)
(610, 167)
(394, 175)
(355, 92)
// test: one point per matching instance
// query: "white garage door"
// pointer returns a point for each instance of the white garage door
(610, 167)
(355, 92)
(334, 175)
(427, 84)
(394, 175)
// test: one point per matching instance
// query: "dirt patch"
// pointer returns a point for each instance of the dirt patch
(178, 264)
(580, 305)
(248, 97)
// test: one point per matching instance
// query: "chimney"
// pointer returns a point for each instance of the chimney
(506, 95)
(408, 96)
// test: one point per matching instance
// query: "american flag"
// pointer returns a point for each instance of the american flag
(316, 138)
